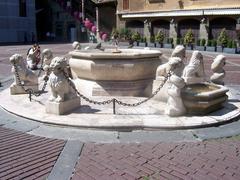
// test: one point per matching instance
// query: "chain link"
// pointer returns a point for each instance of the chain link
(29, 90)
(116, 100)
(109, 101)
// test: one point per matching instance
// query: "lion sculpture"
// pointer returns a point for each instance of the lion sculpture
(60, 86)
(27, 77)
(47, 58)
(218, 71)
(194, 71)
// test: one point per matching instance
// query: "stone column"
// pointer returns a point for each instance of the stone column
(173, 31)
(97, 24)
(120, 22)
(83, 10)
(147, 29)
(204, 30)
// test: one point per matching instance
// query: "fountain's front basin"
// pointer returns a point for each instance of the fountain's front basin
(203, 98)
(128, 73)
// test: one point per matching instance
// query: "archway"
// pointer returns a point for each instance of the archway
(186, 24)
(162, 25)
(135, 26)
(217, 24)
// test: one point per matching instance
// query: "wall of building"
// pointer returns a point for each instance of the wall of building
(14, 28)
(166, 5)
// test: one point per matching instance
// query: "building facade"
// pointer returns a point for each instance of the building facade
(206, 18)
(67, 18)
(18, 22)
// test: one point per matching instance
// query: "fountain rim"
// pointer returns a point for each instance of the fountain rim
(126, 54)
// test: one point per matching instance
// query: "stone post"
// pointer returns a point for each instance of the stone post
(204, 30)
(173, 31)
(97, 24)
(83, 10)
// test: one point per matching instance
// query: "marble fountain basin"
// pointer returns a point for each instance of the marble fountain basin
(203, 98)
(105, 73)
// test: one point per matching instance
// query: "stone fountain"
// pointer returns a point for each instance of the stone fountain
(129, 76)
(105, 73)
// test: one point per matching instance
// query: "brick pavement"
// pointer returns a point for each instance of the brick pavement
(215, 159)
(24, 156)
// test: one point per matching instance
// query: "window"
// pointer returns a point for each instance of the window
(125, 4)
(22, 8)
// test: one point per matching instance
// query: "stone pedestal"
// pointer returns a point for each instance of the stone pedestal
(60, 108)
(162, 95)
(16, 89)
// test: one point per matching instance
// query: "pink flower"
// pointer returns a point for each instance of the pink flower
(94, 29)
(104, 36)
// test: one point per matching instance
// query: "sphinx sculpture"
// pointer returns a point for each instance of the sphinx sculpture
(218, 71)
(194, 73)
(28, 79)
(175, 106)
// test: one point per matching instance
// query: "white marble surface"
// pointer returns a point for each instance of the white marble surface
(147, 115)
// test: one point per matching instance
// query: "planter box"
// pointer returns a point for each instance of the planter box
(229, 50)
(200, 48)
(143, 44)
(159, 45)
(150, 44)
(136, 43)
(219, 49)
(123, 44)
(169, 46)
(189, 47)
(210, 48)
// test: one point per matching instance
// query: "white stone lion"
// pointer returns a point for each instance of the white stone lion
(27, 77)
(47, 58)
(218, 71)
(60, 87)
(194, 71)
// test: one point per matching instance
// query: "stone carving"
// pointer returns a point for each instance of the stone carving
(63, 97)
(162, 70)
(76, 45)
(33, 57)
(194, 73)
(218, 71)
(47, 58)
(27, 77)
(178, 52)
(60, 87)
(175, 106)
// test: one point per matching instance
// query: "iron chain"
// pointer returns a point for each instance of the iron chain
(115, 100)
(29, 90)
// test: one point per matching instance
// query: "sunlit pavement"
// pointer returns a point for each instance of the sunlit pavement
(32, 150)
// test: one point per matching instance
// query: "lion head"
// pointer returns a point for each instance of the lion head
(58, 65)
(18, 60)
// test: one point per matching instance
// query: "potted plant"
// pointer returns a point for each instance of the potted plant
(210, 46)
(159, 38)
(222, 40)
(189, 39)
(124, 36)
(169, 43)
(136, 37)
(201, 45)
(152, 42)
(143, 42)
(231, 47)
